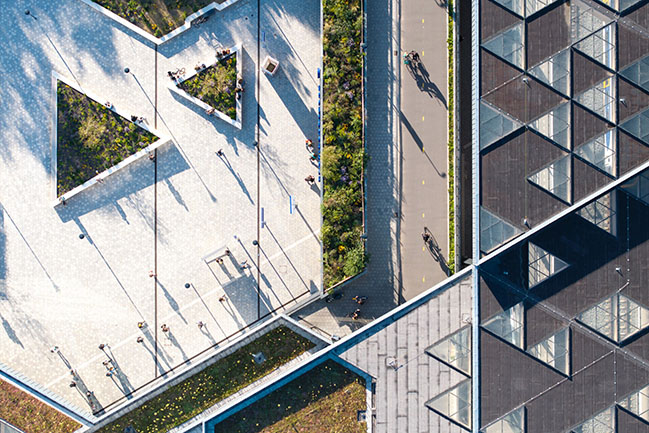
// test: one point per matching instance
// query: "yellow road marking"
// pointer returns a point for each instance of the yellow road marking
(423, 279)
(423, 215)
(422, 20)
(422, 118)
(423, 248)
(423, 182)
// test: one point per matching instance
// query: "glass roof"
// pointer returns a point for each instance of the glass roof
(455, 403)
(639, 186)
(454, 350)
(638, 72)
(509, 44)
(600, 46)
(600, 99)
(542, 265)
(603, 422)
(494, 124)
(555, 125)
(617, 317)
(554, 351)
(508, 325)
(601, 212)
(638, 126)
(513, 422)
(494, 231)
(555, 71)
(584, 20)
(555, 178)
(600, 151)
(638, 403)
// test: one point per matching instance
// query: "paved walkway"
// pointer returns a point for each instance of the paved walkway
(409, 109)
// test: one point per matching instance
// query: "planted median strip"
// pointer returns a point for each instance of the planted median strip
(217, 382)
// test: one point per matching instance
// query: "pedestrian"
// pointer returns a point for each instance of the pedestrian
(356, 314)
(227, 252)
(62, 200)
(101, 346)
(108, 105)
(220, 152)
(210, 111)
(133, 118)
(200, 325)
(219, 260)
(310, 179)
(425, 236)
(360, 300)
(244, 264)
(406, 58)
(222, 298)
(72, 384)
(164, 328)
(140, 340)
(309, 143)
(54, 349)
(414, 55)
(140, 325)
(152, 156)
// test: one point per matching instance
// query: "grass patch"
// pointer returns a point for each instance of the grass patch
(31, 415)
(323, 400)
(218, 381)
(451, 140)
(91, 138)
(157, 17)
(215, 86)
(343, 158)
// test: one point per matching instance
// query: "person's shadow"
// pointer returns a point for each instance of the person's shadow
(422, 77)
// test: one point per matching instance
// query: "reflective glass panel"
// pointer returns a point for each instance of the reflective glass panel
(542, 265)
(602, 317)
(638, 126)
(638, 403)
(600, 46)
(602, 213)
(585, 20)
(494, 124)
(600, 151)
(509, 45)
(600, 99)
(639, 186)
(638, 72)
(494, 231)
(455, 350)
(603, 422)
(513, 422)
(555, 125)
(554, 351)
(455, 403)
(555, 178)
(555, 72)
(508, 325)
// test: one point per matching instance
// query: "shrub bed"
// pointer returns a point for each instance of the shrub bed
(157, 17)
(91, 138)
(215, 86)
(30, 414)
(343, 157)
(323, 400)
(218, 381)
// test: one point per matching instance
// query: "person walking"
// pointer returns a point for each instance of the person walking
(310, 179)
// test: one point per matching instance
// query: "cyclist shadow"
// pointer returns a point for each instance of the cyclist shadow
(435, 250)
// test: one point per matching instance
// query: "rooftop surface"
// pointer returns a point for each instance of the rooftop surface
(162, 217)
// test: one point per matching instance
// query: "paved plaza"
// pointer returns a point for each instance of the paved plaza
(161, 217)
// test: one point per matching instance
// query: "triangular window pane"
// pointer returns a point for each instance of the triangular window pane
(602, 213)
(532, 6)
(513, 422)
(454, 350)
(555, 178)
(454, 404)
(638, 72)
(600, 99)
(508, 325)
(603, 422)
(632, 317)
(619, 5)
(509, 45)
(494, 231)
(639, 186)
(600, 151)
(638, 403)
(555, 72)
(554, 351)
(600, 46)
(515, 6)
(494, 124)
(584, 20)
(542, 265)
(638, 125)
(555, 125)
(617, 317)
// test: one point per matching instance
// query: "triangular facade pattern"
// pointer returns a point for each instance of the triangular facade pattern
(638, 403)
(617, 317)
(601, 152)
(541, 265)
(494, 231)
(601, 213)
(600, 46)
(603, 422)
(509, 45)
(555, 125)
(508, 325)
(454, 350)
(600, 99)
(494, 124)
(513, 422)
(454, 404)
(555, 72)
(555, 178)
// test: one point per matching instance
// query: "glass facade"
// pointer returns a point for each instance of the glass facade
(509, 45)
(454, 404)
(600, 151)
(541, 265)
(513, 422)
(508, 325)
(494, 231)
(603, 422)
(638, 403)
(554, 351)
(555, 125)
(555, 72)
(494, 124)
(454, 350)
(555, 178)
(617, 317)
(600, 46)
(600, 99)
(602, 213)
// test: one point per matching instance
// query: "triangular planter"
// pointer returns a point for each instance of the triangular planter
(174, 87)
(99, 177)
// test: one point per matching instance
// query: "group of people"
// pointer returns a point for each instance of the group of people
(220, 54)
(360, 300)
(412, 56)
(313, 157)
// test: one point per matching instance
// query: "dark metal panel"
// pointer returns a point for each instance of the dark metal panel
(539, 324)
(524, 100)
(585, 73)
(586, 179)
(632, 45)
(548, 33)
(627, 423)
(573, 401)
(494, 18)
(505, 189)
(629, 375)
(632, 152)
(641, 16)
(509, 377)
(585, 349)
(585, 125)
(495, 297)
(494, 72)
